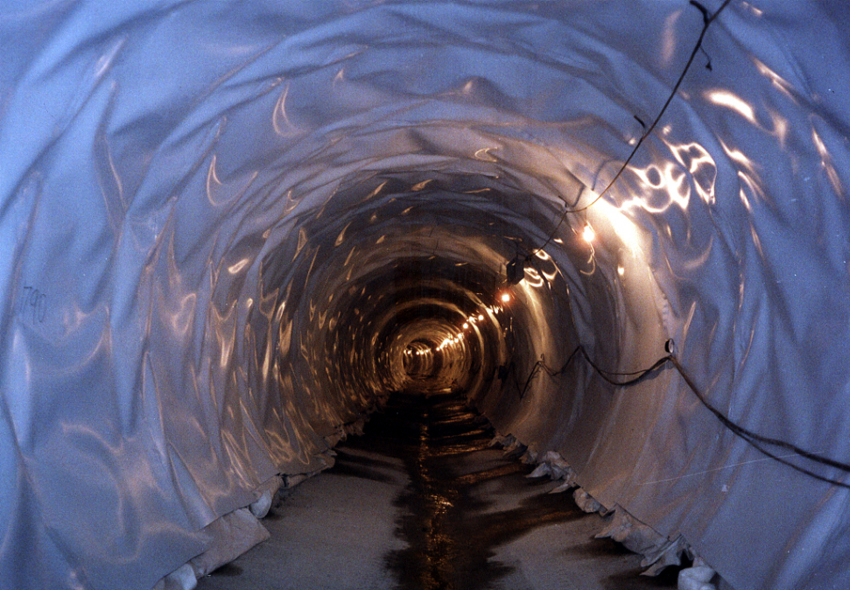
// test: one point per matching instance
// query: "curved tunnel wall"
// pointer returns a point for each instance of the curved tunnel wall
(217, 216)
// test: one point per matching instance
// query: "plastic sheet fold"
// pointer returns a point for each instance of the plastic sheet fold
(195, 196)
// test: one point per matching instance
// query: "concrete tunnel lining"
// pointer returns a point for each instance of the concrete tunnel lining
(194, 195)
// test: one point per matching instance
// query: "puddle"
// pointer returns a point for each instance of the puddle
(450, 528)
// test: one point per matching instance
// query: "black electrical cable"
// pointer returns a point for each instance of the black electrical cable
(638, 375)
(707, 20)
(754, 439)
(541, 365)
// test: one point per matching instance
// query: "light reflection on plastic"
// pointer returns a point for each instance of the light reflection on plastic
(420, 185)
(727, 99)
(377, 191)
(280, 119)
(623, 226)
(669, 178)
(236, 267)
(591, 260)
(484, 155)
(735, 103)
(533, 278)
(212, 179)
(739, 157)
(587, 234)
(780, 126)
(348, 258)
(778, 81)
(181, 318)
(700, 164)
(749, 176)
(826, 163)
(341, 237)
(669, 39)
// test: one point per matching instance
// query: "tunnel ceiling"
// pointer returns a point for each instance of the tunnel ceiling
(233, 230)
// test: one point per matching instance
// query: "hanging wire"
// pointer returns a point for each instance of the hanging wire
(707, 20)
(754, 439)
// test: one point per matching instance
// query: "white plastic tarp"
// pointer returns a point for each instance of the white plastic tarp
(167, 170)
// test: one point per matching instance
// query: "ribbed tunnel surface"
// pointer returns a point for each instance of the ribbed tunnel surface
(232, 230)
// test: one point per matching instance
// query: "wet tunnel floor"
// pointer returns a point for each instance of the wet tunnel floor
(422, 502)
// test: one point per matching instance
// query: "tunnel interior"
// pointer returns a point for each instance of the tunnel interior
(619, 230)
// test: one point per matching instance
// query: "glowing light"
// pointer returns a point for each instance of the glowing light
(621, 271)
(465, 325)
(623, 226)
(480, 317)
(506, 297)
(587, 234)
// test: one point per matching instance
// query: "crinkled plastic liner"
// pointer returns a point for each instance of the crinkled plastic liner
(187, 186)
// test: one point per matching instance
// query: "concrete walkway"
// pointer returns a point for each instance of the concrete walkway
(421, 502)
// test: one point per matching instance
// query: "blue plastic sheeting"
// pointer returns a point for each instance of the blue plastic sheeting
(189, 190)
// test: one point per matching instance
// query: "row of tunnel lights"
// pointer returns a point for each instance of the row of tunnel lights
(587, 234)
(467, 325)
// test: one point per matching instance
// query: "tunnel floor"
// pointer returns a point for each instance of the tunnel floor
(422, 502)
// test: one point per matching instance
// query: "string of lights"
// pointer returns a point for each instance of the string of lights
(514, 269)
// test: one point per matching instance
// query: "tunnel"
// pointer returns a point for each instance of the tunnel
(233, 231)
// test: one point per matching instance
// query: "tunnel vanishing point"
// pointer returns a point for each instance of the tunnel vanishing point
(231, 230)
